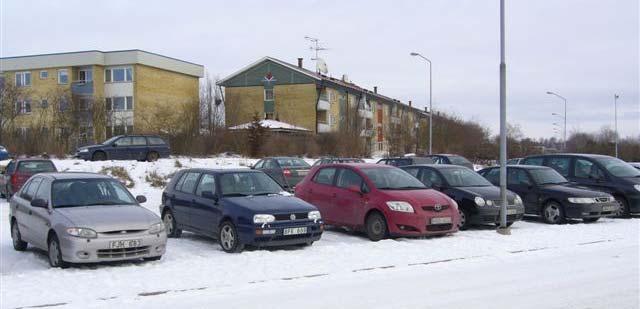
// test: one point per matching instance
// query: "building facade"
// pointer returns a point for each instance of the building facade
(99, 93)
(274, 89)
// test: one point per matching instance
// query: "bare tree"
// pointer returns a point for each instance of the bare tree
(10, 95)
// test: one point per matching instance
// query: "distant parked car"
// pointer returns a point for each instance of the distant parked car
(546, 193)
(287, 171)
(380, 200)
(4, 153)
(515, 161)
(126, 147)
(19, 170)
(404, 161)
(478, 199)
(603, 173)
(450, 159)
(328, 160)
(84, 218)
(238, 208)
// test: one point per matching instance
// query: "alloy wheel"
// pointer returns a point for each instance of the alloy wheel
(552, 213)
(15, 234)
(227, 238)
(463, 218)
(168, 223)
(54, 253)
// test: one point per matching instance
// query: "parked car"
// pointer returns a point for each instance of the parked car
(286, 171)
(84, 218)
(450, 159)
(328, 160)
(599, 172)
(404, 161)
(4, 153)
(514, 161)
(379, 200)
(546, 193)
(126, 147)
(238, 208)
(478, 199)
(19, 170)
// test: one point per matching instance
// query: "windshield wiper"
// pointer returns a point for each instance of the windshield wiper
(266, 193)
(234, 194)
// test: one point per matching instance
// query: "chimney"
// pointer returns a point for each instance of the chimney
(409, 103)
(300, 63)
(375, 89)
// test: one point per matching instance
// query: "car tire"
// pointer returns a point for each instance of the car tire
(376, 226)
(553, 213)
(99, 156)
(54, 253)
(170, 225)
(464, 219)
(153, 258)
(228, 238)
(590, 220)
(18, 243)
(623, 211)
(152, 156)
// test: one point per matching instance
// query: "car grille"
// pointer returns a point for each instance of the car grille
(604, 199)
(432, 208)
(122, 232)
(497, 218)
(499, 202)
(123, 252)
(439, 227)
(287, 217)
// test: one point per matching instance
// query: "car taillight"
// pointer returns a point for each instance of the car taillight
(287, 173)
(14, 180)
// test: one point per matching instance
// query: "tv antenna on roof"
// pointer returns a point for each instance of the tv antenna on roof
(321, 65)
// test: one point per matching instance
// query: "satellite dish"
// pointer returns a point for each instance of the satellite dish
(321, 66)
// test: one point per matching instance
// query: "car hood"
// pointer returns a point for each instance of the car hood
(423, 197)
(633, 180)
(110, 218)
(486, 192)
(270, 204)
(572, 189)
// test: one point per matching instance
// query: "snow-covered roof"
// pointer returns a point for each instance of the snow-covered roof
(270, 124)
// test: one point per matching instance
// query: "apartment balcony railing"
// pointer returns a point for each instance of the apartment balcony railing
(82, 87)
(365, 113)
(323, 105)
(324, 128)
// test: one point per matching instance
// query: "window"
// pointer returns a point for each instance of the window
(63, 76)
(118, 75)
(155, 141)
(533, 161)
(44, 103)
(125, 141)
(23, 79)
(348, 178)
(30, 192)
(560, 164)
(321, 115)
(586, 169)
(119, 103)
(44, 74)
(138, 141)
(180, 181)
(258, 164)
(493, 175)
(413, 171)
(83, 104)
(325, 176)
(189, 184)
(268, 94)
(431, 178)
(268, 115)
(518, 177)
(207, 184)
(85, 76)
(23, 107)
(44, 191)
(270, 164)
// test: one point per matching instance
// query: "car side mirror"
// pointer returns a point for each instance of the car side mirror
(40, 203)
(209, 195)
(141, 199)
(252, 167)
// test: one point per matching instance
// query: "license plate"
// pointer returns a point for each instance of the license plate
(441, 220)
(120, 244)
(609, 208)
(303, 173)
(512, 211)
(294, 231)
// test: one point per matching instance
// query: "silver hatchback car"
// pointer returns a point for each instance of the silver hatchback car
(84, 218)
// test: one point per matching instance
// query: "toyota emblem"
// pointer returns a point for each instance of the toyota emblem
(437, 207)
(292, 217)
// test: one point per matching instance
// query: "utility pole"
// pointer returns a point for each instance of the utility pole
(503, 229)
(430, 99)
(615, 111)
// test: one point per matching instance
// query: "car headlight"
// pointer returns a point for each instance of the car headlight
(83, 150)
(262, 219)
(489, 202)
(479, 201)
(400, 206)
(582, 200)
(637, 187)
(518, 200)
(156, 228)
(314, 215)
(82, 232)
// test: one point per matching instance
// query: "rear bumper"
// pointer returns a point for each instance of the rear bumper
(581, 211)
(420, 224)
(271, 235)
(81, 250)
(491, 215)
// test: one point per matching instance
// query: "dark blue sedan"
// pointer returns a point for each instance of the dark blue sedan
(126, 147)
(4, 153)
(238, 208)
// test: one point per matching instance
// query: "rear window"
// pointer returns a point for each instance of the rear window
(423, 161)
(533, 161)
(33, 167)
(458, 160)
(155, 141)
(292, 162)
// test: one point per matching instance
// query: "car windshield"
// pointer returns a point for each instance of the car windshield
(89, 192)
(618, 167)
(464, 177)
(246, 184)
(33, 167)
(392, 179)
(292, 162)
(111, 140)
(458, 160)
(546, 176)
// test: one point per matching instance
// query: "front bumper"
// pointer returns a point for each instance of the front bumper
(634, 203)
(255, 235)
(420, 224)
(595, 210)
(491, 215)
(82, 155)
(95, 250)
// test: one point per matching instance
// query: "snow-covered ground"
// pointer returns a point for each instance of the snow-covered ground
(538, 266)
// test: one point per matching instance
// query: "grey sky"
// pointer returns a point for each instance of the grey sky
(585, 50)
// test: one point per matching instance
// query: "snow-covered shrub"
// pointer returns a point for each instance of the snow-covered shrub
(119, 173)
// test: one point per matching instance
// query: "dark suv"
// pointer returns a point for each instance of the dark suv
(18, 172)
(404, 161)
(599, 172)
(451, 159)
(126, 147)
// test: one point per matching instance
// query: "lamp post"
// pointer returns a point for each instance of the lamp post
(565, 118)
(503, 229)
(430, 100)
(615, 111)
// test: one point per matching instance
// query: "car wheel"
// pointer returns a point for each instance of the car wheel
(376, 226)
(170, 225)
(18, 244)
(153, 258)
(590, 220)
(552, 213)
(464, 219)
(99, 156)
(152, 156)
(623, 210)
(228, 238)
(55, 253)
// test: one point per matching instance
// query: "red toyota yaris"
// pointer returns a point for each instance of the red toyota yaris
(380, 200)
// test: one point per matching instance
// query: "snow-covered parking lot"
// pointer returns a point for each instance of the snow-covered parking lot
(538, 266)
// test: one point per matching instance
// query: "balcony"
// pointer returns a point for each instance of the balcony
(323, 105)
(324, 128)
(82, 87)
(365, 113)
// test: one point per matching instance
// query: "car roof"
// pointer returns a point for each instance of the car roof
(358, 165)
(438, 166)
(220, 170)
(282, 157)
(74, 175)
(526, 167)
(32, 159)
(589, 155)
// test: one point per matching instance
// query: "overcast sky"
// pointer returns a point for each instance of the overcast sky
(585, 50)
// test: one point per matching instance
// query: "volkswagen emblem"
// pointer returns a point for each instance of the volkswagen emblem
(292, 217)
(437, 207)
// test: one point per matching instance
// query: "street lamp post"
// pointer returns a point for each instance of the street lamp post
(503, 229)
(615, 110)
(565, 118)
(430, 101)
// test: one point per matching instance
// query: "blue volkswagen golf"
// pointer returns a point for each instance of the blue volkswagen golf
(238, 208)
